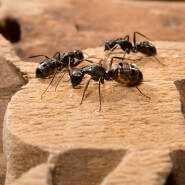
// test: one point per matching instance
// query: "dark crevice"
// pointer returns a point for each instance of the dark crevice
(10, 28)
(180, 85)
(85, 166)
(177, 175)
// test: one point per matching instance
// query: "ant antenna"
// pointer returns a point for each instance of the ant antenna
(90, 56)
(86, 86)
(57, 55)
(123, 58)
(142, 92)
(34, 56)
(60, 80)
(49, 83)
(86, 54)
(136, 32)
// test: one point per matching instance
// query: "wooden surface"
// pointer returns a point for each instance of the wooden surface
(131, 141)
(10, 81)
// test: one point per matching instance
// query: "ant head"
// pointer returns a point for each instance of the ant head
(76, 77)
(79, 54)
(109, 44)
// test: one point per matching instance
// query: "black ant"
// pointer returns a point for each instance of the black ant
(97, 73)
(123, 73)
(145, 47)
(50, 66)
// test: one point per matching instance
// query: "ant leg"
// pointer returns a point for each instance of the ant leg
(124, 55)
(134, 39)
(100, 62)
(110, 63)
(57, 55)
(34, 56)
(70, 71)
(126, 37)
(78, 62)
(49, 83)
(122, 58)
(142, 92)
(89, 57)
(90, 61)
(87, 84)
(158, 60)
(59, 81)
(99, 92)
(113, 48)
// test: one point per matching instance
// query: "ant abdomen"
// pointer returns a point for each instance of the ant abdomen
(146, 48)
(46, 68)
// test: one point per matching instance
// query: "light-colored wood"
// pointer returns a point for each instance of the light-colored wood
(40, 175)
(131, 138)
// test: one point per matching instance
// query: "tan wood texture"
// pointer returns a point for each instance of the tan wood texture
(133, 140)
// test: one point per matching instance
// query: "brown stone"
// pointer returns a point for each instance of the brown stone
(133, 140)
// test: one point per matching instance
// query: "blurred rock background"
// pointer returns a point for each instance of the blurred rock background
(44, 27)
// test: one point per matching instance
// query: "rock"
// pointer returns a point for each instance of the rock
(133, 140)
(11, 81)
(70, 25)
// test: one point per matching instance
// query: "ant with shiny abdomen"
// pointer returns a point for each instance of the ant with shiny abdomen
(123, 73)
(144, 47)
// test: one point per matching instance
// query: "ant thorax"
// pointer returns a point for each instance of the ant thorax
(109, 44)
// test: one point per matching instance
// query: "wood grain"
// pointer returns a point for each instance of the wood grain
(128, 142)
